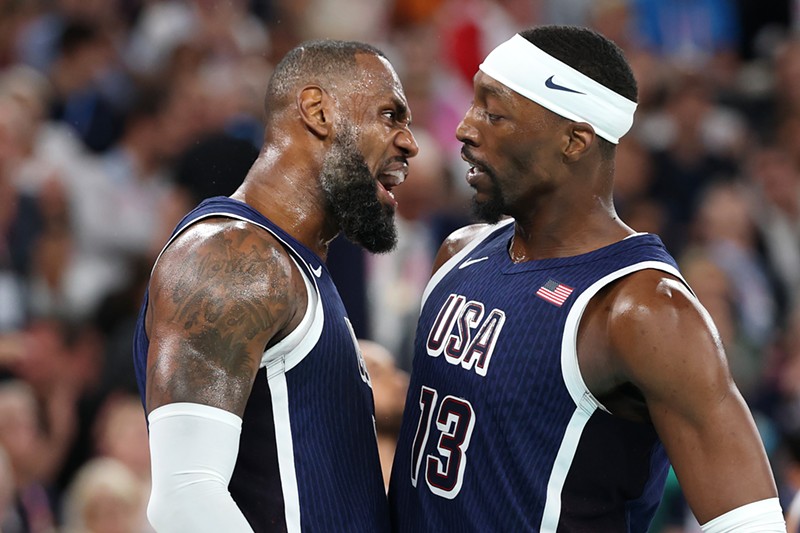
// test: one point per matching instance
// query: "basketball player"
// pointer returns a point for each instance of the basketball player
(560, 358)
(259, 405)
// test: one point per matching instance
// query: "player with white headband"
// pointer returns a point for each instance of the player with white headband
(562, 362)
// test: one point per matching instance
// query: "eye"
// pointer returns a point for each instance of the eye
(390, 114)
(494, 118)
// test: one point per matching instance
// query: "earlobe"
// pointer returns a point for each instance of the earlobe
(581, 137)
(314, 105)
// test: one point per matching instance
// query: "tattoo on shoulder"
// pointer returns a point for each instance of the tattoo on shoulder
(237, 291)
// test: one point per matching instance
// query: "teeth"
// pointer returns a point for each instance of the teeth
(397, 177)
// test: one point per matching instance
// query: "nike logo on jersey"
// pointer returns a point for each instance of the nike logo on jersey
(469, 262)
(550, 84)
(317, 271)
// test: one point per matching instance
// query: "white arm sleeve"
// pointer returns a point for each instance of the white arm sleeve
(193, 450)
(764, 516)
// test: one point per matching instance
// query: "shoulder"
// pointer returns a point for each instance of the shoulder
(657, 327)
(225, 260)
(456, 241)
(650, 294)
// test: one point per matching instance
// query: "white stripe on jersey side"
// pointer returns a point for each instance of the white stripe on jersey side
(585, 402)
(461, 254)
(302, 339)
(279, 359)
(279, 392)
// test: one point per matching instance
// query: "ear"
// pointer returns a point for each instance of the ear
(315, 110)
(580, 138)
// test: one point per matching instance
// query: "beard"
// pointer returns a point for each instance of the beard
(351, 194)
(493, 209)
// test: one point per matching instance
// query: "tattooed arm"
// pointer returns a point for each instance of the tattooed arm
(222, 292)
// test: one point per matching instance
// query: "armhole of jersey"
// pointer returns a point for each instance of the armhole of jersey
(461, 254)
(299, 342)
(188, 224)
(570, 368)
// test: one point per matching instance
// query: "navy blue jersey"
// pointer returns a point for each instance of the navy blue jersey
(500, 432)
(308, 457)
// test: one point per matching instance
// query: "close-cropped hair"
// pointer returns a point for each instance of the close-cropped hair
(321, 62)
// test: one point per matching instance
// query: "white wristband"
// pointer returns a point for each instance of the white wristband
(193, 450)
(765, 516)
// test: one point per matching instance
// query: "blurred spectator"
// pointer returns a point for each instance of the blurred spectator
(14, 235)
(84, 54)
(726, 237)
(225, 29)
(695, 34)
(32, 459)
(7, 492)
(615, 19)
(776, 182)
(695, 142)
(120, 433)
(105, 497)
(389, 387)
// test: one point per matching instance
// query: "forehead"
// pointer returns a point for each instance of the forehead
(377, 78)
(486, 86)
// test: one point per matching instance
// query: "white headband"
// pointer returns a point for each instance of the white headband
(538, 76)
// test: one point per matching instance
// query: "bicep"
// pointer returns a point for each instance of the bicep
(212, 313)
(670, 350)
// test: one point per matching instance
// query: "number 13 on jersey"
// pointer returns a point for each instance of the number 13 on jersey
(454, 420)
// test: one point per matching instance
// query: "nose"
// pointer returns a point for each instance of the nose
(407, 143)
(465, 132)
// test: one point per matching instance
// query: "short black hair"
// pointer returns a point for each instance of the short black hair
(592, 54)
(321, 61)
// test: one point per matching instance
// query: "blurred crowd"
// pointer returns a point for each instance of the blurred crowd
(118, 116)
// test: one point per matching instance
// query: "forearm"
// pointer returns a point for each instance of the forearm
(193, 451)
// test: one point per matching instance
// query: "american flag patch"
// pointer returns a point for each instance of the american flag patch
(554, 292)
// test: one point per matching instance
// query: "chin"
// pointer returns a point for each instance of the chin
(491, 211)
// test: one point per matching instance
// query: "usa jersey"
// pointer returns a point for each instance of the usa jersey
(499, 432)
(308, 457)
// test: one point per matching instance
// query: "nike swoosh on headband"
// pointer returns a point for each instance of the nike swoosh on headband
(550, 84)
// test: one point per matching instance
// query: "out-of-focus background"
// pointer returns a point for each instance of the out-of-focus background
(117, 116)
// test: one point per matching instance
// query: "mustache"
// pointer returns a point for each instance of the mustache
(396, 159)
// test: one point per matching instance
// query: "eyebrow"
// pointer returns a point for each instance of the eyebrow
(402, 109)
(500, 91)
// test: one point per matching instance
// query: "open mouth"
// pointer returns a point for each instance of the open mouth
(475, 168)
(390, 177)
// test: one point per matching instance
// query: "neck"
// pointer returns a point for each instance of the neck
(567, 221)
(289, 195)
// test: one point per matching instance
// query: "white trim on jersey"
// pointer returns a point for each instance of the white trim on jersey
(461, 254)
(278, 360)
(297, 344)
(569, 342)
(585, 402)
(279, 392)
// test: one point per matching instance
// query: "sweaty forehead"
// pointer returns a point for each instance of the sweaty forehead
(376, 77)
